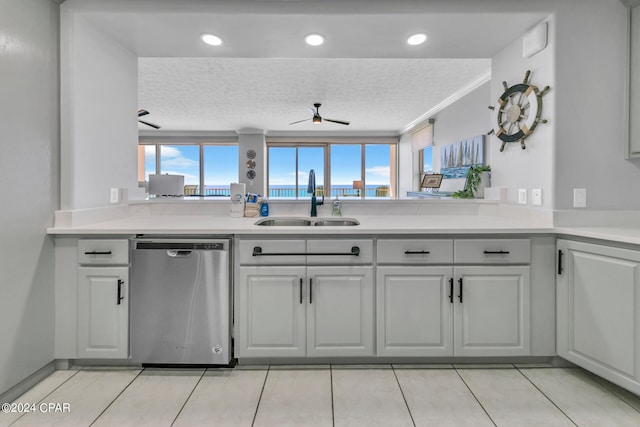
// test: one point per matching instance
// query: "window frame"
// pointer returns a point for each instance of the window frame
(326, 144)
(200, 144)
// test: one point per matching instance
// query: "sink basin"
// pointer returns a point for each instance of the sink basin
(306, 222)
(287, 222)
(342, 222)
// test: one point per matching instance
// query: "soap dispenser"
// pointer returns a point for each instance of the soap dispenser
(335, 211)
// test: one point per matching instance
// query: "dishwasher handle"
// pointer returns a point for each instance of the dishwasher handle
(177, 253)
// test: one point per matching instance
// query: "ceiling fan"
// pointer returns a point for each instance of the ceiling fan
(144, 113)
(318, 119)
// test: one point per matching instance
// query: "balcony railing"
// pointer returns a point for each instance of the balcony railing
(290, 192)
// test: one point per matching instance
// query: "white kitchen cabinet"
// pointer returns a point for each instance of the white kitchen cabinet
(103, 312)
(454, 310)
(320, 309)
(492, 311)
(414, 311)
(598, 301)
(271, 311)
(288, 311)
(340, 311)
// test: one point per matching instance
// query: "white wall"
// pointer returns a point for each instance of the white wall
(29, 175)
(464, 119)
(99, 133)
(589, 119)
(515, 168)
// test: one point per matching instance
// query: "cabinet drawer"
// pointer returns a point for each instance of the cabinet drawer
(265, 252)
(419, 251)
(492, 251)
(342, 251)
(103, 252)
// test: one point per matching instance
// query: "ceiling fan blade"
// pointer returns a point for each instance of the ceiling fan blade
(300, 121)
(336, 121)
(153, 125)
(142, 113)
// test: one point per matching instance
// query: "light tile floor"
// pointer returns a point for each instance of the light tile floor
(339, 395)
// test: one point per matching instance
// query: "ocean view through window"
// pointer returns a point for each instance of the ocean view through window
(338, 166)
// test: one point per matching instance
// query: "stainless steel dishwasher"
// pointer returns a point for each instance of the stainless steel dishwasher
(179, 302)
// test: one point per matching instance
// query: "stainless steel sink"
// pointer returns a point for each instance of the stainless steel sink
(287, 222)
(306, 222)
(342, 222)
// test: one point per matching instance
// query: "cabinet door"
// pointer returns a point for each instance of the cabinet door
(414, 311)
(598, 300)
(270, 312)
(492, 311)
(340, 311)
(103, 312)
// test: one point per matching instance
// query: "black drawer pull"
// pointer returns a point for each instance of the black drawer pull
(496, 252)
(417, 252)
(98, 253)
(355, 251)
(460, 295)
(451, 290)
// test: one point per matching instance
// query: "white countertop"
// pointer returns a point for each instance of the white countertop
(404, 218)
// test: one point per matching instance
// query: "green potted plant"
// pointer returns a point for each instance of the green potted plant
(474, 177)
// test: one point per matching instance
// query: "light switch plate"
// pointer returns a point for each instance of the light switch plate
(522, 196)
(579, 197)
(536, 197)
(114, 195)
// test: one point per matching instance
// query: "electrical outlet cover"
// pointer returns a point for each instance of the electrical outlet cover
(579, 197)
(522, 196)
(536, 197)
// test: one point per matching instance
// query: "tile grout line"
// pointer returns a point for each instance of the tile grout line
(189, 397)
(47, 395)
(474, 396)
(333, 413)
(403, 396)
(547, 397)
(255, 414)
(604, 385)
(116, 398)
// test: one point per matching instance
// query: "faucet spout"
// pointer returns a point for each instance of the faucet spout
(311, 189)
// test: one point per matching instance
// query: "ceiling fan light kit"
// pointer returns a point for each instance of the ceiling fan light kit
(317, 118)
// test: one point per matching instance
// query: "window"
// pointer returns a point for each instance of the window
(289, 169)
(350, 170)
(204, 166)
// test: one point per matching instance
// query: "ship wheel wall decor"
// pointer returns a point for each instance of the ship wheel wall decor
(518, 112)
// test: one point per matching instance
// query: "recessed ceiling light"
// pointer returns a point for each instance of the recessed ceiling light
(314, 39)
(417, 39)
(211, 39)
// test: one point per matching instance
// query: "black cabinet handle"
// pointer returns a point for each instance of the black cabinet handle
(451, 290)
(310, 291)
(496, 252)
(417, 252)
(460, 294)
(98, 253)
(355, 251)
(120, 297)
(560, 262)
(301, 290)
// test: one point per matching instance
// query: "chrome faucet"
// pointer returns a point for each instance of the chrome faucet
(311, 189)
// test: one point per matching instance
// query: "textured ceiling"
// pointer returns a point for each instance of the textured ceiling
(264, 76)
(222, 94)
